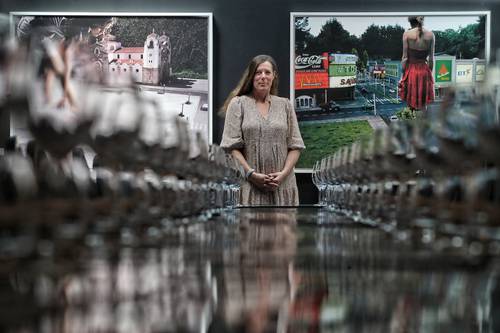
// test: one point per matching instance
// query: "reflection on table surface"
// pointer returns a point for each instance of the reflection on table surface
(252, 270)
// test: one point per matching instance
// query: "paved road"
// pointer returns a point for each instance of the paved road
(303, 116)
(387, 110)
(191, 86)
(384, 110)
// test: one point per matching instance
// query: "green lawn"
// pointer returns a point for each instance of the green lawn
(324, 139)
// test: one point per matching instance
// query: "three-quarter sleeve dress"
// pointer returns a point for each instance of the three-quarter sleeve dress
(265, 143)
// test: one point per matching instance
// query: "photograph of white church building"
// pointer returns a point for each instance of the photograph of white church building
(144, 64)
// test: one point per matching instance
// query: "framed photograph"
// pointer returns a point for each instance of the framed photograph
(166, 56)
(345, 69)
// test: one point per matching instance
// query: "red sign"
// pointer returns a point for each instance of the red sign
(311, 80)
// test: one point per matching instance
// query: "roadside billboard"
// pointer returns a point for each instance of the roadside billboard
(342, 70)
(311, 71)
(480, 70)
(311, 62)
(393, 69)
(311, 80)
(342, 81)
(469, 71)
(340, 58)
(464, 73)
(443, 71)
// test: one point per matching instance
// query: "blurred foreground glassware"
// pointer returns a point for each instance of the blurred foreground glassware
(437, 172)
(319, 181)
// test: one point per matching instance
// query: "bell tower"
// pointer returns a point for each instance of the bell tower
(151, 59)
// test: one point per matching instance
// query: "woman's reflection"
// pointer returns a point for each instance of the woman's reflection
(264, 291)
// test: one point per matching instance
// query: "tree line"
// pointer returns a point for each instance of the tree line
(188, 39)
(385, 42)
(188, 35)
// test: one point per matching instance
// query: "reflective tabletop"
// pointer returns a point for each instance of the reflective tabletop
(266, 269)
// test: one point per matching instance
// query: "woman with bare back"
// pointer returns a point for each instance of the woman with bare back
(417, 84)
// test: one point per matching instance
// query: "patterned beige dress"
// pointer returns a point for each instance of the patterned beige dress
(265, 143)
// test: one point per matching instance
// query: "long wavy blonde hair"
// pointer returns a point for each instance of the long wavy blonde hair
(245, 85)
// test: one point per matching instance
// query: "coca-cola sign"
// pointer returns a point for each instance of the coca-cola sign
(305, 61)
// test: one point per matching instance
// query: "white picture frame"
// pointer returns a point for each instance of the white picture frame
(197, 89)
(360, 20)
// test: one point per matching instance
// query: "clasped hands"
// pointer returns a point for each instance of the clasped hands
(267, 182)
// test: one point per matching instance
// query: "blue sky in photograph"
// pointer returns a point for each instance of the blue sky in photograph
(356, 25)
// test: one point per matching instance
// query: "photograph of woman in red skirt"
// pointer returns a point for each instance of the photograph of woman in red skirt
(417, 84)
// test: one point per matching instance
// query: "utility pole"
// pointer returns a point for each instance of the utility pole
(182, 110)
(497, 104)
(396, 88)
(374, 105)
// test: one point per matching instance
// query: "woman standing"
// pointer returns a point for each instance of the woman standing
(417, 83)
(262, 133)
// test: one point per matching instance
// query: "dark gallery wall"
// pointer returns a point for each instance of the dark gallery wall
(244, 28)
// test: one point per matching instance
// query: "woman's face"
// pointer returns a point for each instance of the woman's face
(263, 77)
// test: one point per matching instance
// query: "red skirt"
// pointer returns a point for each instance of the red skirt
(417, 86)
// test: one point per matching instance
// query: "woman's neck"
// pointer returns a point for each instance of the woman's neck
(260, 97)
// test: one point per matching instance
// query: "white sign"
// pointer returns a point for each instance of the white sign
(342, 81)
(464, 73)
(480, 69)
(336, 58)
